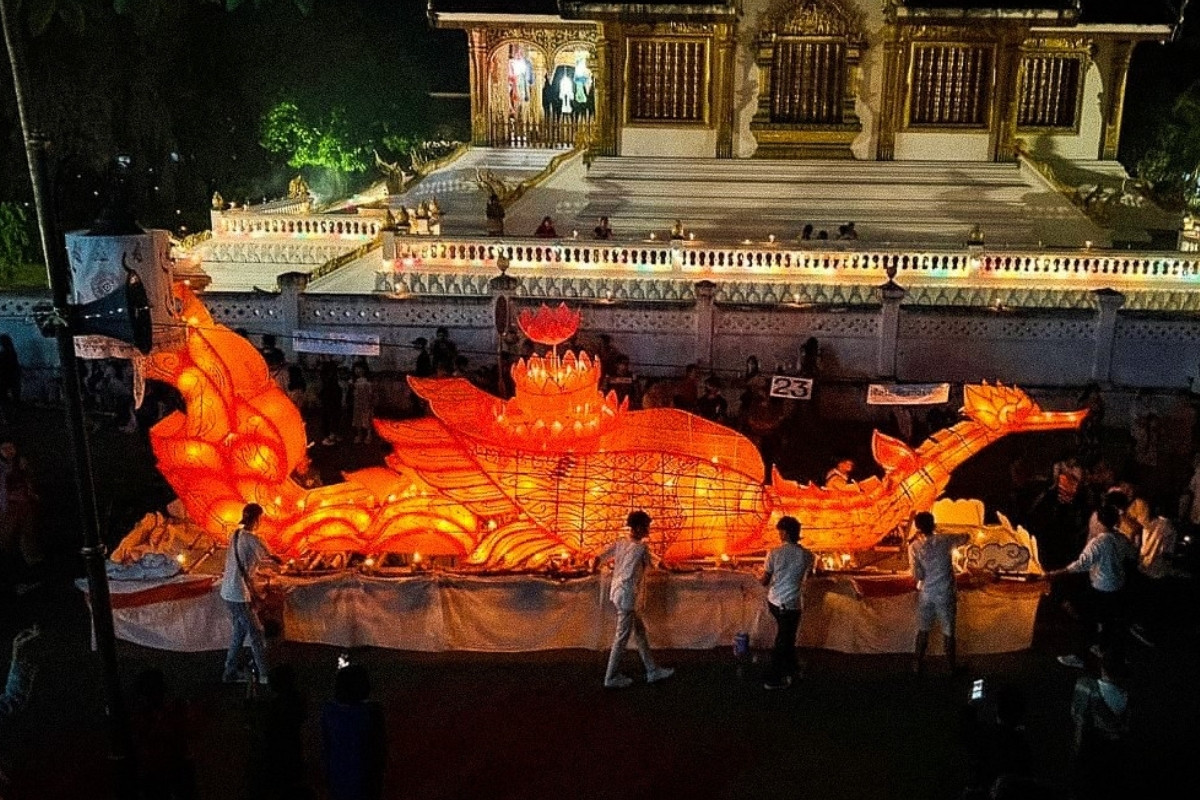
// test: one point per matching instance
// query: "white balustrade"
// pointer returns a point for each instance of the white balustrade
(247, 223)
(837, 263)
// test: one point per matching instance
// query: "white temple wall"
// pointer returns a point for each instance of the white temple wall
(1036, 350)
(849, 341)
(668, 142)
(1156, 352)
(942, 146)
(1033, 347)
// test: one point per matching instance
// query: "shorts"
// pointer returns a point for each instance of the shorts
(942, 609)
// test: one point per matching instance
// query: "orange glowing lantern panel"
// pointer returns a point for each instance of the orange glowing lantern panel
(516, 482)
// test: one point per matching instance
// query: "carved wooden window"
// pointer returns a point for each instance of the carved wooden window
(1049, 96)
(807, 77)
(950, 85)
(668, 80)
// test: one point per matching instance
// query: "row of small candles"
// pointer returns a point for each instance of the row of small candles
(562, 560)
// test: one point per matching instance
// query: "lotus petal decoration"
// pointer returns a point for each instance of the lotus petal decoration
(549, 326)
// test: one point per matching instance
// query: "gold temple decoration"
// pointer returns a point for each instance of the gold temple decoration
(808, 60)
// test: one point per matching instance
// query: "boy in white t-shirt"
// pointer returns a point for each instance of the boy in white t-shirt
(630, 559)
(783, 574)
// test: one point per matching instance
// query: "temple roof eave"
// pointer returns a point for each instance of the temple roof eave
(467, 19)
(714, 11)
(1043, 15)
(1114, 30)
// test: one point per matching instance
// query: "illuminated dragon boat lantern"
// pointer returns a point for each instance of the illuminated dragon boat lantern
(506, 483)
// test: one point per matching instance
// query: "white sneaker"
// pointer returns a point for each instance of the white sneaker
(1096, 651)
(659, 674)
(1072, 660)
(618, 682)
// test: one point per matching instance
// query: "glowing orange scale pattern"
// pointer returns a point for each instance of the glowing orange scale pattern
(510, 483)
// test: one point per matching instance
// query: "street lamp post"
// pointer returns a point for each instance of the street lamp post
(93, 551)
(59, 275)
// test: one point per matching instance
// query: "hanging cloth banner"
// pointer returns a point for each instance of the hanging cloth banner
(336, 344)
(791, 388)
(909, 394)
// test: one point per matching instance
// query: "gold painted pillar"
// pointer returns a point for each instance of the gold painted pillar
(895, 69)
(609, 89)
(723, 89)
(1003, 128)
(477, 49)
(1114, 93)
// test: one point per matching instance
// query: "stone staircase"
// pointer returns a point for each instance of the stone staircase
(461, 200)
(889, 202)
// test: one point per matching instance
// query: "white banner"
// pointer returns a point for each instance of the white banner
(336, 344)
(95, 347)
(790, 388)
(910, 394)
(98, 265)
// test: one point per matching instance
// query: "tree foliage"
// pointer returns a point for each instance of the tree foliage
(327, 144)
(1172, 164)
(16, 243)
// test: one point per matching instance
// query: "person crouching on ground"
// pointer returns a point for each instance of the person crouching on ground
(246, 551)
(937, 596)
(630, 558)
(783, 574)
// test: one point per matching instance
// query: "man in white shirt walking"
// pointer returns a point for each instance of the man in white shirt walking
(246, 551)
(1104, 559)
(783, 574)
(630, 559)
(930, 556)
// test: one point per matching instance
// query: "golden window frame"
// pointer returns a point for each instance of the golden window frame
(704, 85)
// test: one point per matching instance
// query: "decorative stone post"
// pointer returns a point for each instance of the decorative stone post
(1109, 302)
(706, 322)
(503, 288)
(291, 290)
(891, 294)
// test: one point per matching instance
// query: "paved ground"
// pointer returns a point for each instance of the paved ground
(539, 725)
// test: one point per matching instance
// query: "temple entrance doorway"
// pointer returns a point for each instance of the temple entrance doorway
(535, 101)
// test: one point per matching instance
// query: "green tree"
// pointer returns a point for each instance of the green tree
(15, 239)
(327, 144)
(1173, 163)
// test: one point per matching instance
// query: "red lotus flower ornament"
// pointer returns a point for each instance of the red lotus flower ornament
(550, 326)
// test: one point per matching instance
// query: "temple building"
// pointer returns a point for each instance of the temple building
(872, 80)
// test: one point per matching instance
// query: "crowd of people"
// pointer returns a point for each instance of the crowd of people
(1121, 528)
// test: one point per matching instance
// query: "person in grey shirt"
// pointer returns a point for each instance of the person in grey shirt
(630, 558)
(783, 574)
(930, 556)
(246, 551)
(1104, 558)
